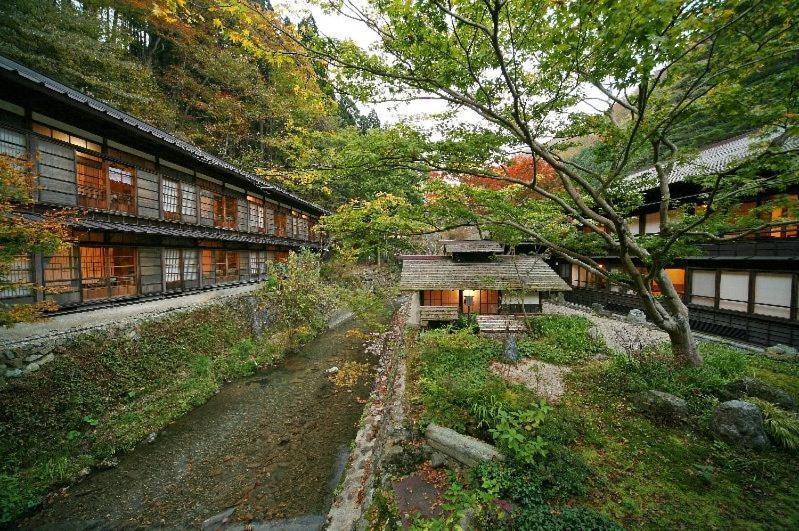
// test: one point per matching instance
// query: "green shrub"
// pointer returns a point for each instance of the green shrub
(544, 518)
(782, 426)
(561, 339)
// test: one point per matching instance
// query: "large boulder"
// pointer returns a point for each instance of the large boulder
(660, 406)
(462, 448)
(759, 389)
(740, 423)
(781, 352)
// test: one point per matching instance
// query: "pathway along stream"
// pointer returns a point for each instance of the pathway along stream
(271, 447)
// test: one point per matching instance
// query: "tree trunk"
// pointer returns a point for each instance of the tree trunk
(683, 344)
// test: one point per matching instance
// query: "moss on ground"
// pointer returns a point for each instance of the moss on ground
(604, 455)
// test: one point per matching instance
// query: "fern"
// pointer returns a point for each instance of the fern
(781, 425)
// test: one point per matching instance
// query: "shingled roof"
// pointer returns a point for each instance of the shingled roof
(715, 157)
(501, 273)
(113, 114)
(472, 246)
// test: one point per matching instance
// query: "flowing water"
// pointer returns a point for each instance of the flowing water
(268, 449)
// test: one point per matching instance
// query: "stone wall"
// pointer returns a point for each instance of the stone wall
(25, 356)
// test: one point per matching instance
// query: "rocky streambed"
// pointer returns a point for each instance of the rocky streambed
(266, 452)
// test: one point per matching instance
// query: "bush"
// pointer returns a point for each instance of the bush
(560, 339)
(782, 426)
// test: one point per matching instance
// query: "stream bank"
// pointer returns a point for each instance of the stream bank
(266, 448)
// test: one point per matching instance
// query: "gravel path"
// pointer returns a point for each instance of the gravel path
(618, 334)
(545, 379)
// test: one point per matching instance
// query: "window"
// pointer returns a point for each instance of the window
(63, 136)
(652, 223)
(61, 272)
(773, 294)
(488, 301)
(258, 264)
(257, 215)
(188, 200)
(281, 256)
(280, 224)
(734, 290)
(107, 272)
(122, 186)
(170, 198)
(703, 288)
(440, 298)
(782, 213)
(180, 269)
(91, 182)
(634, 225)
(18, 278)
(227, 266)
(224, 207)
(206, 207)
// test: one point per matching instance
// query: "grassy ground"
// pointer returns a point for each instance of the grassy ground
(594, 462)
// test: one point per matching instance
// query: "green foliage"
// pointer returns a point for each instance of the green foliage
(514, 432)
(782, 426)
(561, 339)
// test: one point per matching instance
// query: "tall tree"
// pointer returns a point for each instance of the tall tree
(540, 74)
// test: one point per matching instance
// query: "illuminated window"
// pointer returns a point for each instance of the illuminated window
(440, 298)
(91, 181)
(63, 136)
(122, 186)
(652, 223)
(227, 266)
(280, 224)
(107, 272)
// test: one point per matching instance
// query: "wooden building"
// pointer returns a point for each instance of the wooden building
(155, 214)
(474, 278)
(745, 289)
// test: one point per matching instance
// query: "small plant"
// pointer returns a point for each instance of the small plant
(515, 431)
(782, 426)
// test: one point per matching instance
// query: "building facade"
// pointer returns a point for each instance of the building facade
(745, 289)
(475, 277)
(152, 214)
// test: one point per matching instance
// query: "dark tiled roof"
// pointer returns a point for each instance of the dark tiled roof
(501, 272)
(472, 246)
(113, 114)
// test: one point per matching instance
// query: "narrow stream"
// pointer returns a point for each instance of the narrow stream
(268, 449)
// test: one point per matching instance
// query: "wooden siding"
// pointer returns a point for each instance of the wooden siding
(57, 183)
(150, 270)
(147, 194)
(12, 143)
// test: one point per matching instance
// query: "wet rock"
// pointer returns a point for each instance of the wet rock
(759, 389)
(660, 406)
(32, 358)
(332, 370)
(13, 373)
(47, 359)
(462, 448)
(151, 438)
(597, 307)
(740, 423)
(636, 316)
(33, 367)
(438, 460)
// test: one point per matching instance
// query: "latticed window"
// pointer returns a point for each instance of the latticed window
(437, 297)
(258, 263)
(188, 199)
(107, 272)
(172, 269)
(18, 274)
(122, 184)
(191, 264)
(227, 266)
(91, 181)
(170, 197)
